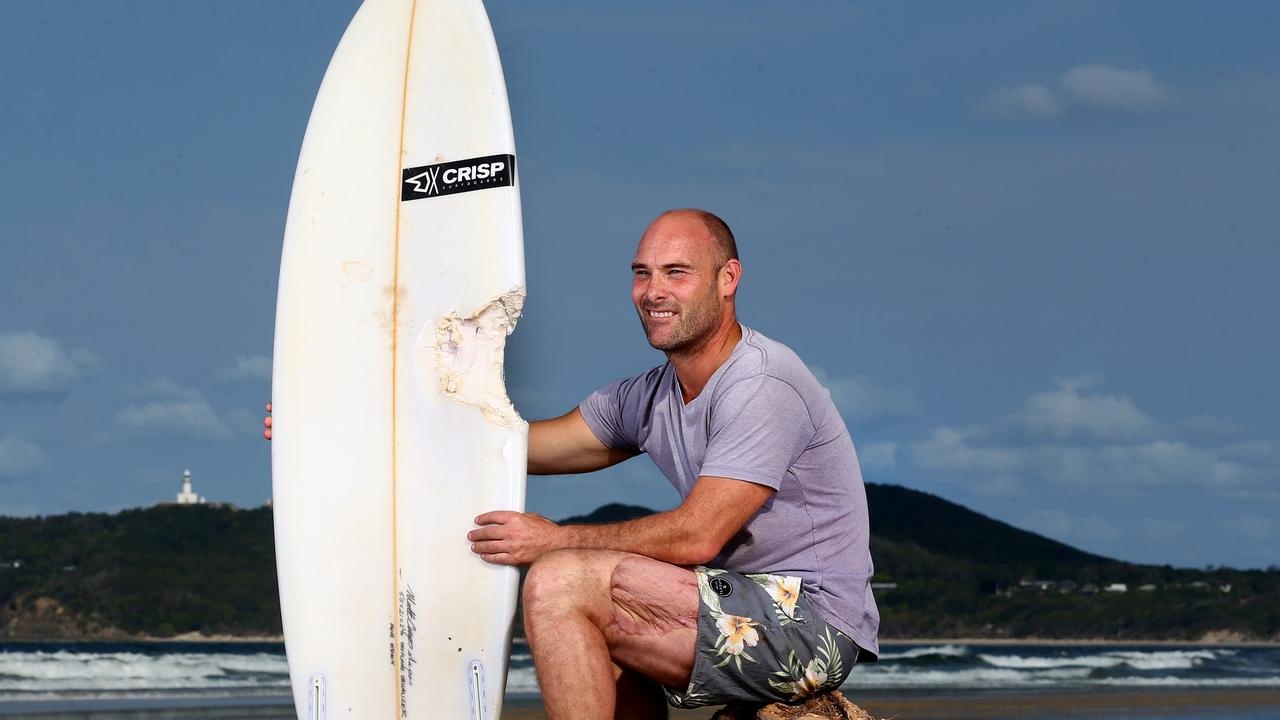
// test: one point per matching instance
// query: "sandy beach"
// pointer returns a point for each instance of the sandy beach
(1217, 704)
(1208, 641)
(1224, 703)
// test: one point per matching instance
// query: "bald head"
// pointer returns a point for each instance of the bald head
(718, 229)
(684, 278)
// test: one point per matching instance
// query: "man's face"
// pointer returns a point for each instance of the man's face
(674, 283)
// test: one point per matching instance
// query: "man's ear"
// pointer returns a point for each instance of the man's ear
(728, 278)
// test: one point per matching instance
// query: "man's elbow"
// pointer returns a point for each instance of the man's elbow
(699, 551)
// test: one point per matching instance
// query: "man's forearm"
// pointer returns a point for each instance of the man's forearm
(695, 533)
(666, 536)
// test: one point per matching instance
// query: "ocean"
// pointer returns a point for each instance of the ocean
(251, 679)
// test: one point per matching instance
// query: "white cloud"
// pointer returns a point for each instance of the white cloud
(953, 450)
(1032, 100)
(1111, 89)
(19, 457)
(247, 369)
(1068, 414)
(1076, 439)
(172, 410)
(861, 399)
(1083, 88)
(31, 362)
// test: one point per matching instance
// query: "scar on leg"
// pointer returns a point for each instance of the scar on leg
(650, 597)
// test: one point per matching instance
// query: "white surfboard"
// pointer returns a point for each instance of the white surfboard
(402, 274)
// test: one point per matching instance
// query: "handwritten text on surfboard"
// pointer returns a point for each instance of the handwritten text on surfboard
(458, 176)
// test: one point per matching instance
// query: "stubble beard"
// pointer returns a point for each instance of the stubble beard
(694, 324)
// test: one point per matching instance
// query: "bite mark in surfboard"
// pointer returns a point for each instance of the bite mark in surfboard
(469, 353)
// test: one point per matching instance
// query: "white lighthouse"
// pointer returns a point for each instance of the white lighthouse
(187, 496)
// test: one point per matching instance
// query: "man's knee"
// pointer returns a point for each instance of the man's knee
(563, 576)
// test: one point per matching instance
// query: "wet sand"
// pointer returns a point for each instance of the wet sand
(1128, 704)
(1234, 703)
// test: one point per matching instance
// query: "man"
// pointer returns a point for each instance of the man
(773, 505)
(770, 484)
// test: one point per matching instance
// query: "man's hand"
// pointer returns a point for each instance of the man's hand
(266, 423)
(513, 538)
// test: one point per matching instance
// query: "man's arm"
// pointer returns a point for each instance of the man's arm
(566, 445)
(693, 533)
(558, 446)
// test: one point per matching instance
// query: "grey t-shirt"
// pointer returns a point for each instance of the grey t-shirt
(763, 418)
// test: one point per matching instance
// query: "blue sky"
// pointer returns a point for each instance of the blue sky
(1031, 247)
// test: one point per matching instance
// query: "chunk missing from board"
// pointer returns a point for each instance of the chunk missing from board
(469, 353)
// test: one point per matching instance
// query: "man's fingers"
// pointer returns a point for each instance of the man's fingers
(266, 421)
(499, 559)
(488, 547)
(495, 517)
(267, 433)
(488, 532)
(268, 407)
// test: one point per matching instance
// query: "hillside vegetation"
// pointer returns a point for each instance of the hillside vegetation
(942, 571)
(158, 571)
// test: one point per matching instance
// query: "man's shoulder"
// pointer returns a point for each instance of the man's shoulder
(761, 356)
(645, 382)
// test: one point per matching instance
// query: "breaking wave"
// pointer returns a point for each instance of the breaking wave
(35, 672)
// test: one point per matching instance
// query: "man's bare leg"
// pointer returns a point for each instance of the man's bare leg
(638, 697)
(590, 611)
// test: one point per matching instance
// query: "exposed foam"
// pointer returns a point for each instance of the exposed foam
(468, 356)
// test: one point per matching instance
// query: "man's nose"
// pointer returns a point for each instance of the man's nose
(654, 289)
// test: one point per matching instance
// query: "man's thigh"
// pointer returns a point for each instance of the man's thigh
(654, 623)
(646, 609)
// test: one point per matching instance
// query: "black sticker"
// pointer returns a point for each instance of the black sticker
(458, 176)
(720, 586)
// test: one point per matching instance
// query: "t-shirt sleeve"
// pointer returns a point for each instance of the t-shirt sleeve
(757, 431)
(605, 411)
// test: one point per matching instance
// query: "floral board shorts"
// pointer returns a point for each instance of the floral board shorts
(760, 640)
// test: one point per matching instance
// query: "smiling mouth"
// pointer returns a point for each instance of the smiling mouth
(661, 314)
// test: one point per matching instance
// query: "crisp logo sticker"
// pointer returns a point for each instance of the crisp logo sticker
(458, 176)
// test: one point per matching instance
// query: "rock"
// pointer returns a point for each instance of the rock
(43, 617)
(826, 706)
(26, 617)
